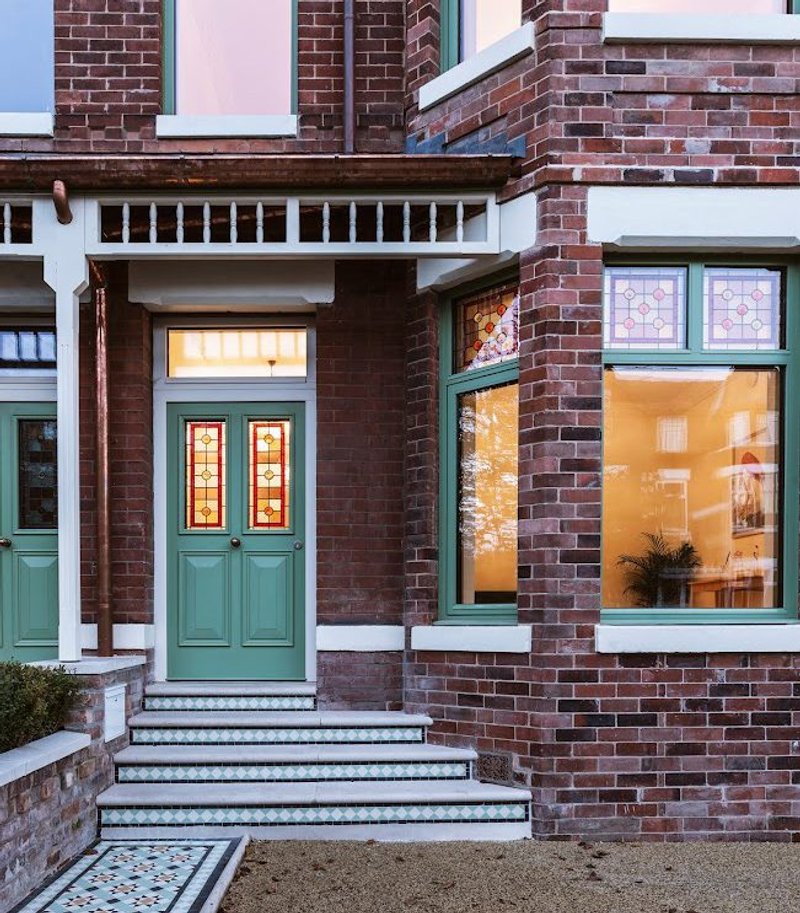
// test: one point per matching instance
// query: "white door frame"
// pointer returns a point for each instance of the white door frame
(293, 390)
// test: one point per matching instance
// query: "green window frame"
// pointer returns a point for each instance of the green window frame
(169, 56)
(694, 355)
(450, 30)
(453, 384)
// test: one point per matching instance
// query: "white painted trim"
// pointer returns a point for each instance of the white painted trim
(290, 390)
(498, 55)
(472, 638)
(752, 638)
(360, 638)
(126, 637)
(94, 665)
(778, 28)
(26, 123)
(20, 762)
(196, 126)
(27, 389)
(695, 217)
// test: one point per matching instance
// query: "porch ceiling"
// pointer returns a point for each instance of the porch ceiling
(89, 173)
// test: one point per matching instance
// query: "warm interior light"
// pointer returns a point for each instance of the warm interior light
(244, 352)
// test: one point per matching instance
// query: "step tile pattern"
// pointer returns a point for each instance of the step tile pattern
(229, 702)
(291, 773)
(265, 816)
(306, 735)
(132, 877)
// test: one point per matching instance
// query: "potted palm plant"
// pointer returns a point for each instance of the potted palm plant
(661, 575)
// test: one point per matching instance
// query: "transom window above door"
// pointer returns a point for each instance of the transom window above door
(231, 58)
(237, 352)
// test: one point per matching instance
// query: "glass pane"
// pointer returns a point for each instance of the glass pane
(487, 495)
(486, 328)
(27, 75)
(233, 57)
(742, 309)
(38, 494)
(205, 474)
(483, 23)
(27, 350)
(692, 482)
(645, 307)
(721, 7)
(269, 473)
(237, 353)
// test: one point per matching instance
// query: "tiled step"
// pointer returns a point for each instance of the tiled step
(276, 728)
(420, 810)
(230, 696)
(290, 763)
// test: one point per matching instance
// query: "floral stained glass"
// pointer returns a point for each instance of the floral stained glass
(645, 307)
(205, 474)
(487, 328)
(741, 308)
(268, 498)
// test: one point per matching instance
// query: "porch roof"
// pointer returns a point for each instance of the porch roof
(87, 173)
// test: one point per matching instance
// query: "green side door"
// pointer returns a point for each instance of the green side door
(28, 532)
(236, 515)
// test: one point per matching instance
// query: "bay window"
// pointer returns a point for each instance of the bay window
(480, 419)
(699, 443)
(470, 26)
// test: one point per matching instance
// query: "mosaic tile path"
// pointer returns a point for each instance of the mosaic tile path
(132, 877)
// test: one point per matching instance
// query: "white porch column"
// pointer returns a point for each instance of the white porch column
(66, 271)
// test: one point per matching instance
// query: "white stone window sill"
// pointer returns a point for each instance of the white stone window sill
(731, 638)
(360, 638)
(778, 28)
(190, 126)
(26, 123)
(472, 638)
(19, 762)
(498, 55)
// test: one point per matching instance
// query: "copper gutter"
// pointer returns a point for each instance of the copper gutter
(105, 622)
(198, 173)
(349, 78)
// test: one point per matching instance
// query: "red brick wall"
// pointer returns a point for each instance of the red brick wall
(360, 681)
(131, 456)
(360, 402)
(108, 68)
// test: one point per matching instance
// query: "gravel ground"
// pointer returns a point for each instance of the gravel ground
(525, 876)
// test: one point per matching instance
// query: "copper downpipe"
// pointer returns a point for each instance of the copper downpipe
(105, 625)
(349, 78)
(61, 203)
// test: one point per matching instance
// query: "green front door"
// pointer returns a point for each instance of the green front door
(28, 532)
(236, 515)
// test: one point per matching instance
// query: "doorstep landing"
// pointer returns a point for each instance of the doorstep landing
(157, 876)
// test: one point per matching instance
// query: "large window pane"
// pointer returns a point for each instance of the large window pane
(692, 481)
(27, 78)
(723, 7)
(483, 23)
(487, 496)
(233, 57)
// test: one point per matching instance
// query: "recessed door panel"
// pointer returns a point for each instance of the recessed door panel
(36, 598)
(268, 599)
(205, 610)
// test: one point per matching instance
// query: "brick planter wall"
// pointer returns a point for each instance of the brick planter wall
(49, 816)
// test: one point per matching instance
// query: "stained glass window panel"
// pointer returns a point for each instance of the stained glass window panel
(741, 309)
(38, 496)
(205, 474)
(487, 328)
(645, 307)
(270, 467)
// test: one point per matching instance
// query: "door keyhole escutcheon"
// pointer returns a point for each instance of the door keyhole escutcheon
(298, 545)
(236, 542)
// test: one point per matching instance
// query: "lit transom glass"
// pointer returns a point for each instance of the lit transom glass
(242, 352)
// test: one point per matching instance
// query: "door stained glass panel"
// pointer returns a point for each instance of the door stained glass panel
(269, 471)
(38, 499)
(205, 474)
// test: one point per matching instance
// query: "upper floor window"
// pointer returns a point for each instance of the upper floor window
(700, 7)
(470, 26)
(232, 58)
(26, 56)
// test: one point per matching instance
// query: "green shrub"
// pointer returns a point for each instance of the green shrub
(34, 702)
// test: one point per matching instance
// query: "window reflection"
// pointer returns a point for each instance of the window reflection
(483, 23)
(691, 487)
(722, 7)
(237, 353)
(487, 495)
